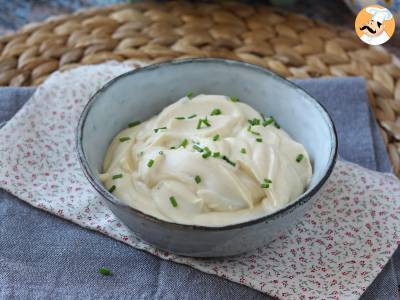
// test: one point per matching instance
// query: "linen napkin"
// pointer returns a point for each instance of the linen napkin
(353, 227)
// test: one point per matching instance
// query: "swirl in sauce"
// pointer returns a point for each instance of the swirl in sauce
(206, 161)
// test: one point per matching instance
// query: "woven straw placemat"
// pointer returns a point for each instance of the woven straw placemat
(288, 44)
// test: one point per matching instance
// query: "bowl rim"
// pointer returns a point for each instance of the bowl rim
(302, 199)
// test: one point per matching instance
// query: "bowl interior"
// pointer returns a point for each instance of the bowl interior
(138, 95)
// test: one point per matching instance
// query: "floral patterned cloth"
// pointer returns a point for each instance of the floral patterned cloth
(336, 251)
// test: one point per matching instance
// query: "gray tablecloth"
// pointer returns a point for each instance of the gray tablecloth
(42, 256)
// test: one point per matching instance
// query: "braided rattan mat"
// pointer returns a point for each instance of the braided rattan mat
(291, 45)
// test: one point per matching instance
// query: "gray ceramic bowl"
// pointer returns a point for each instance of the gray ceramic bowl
(140, 94)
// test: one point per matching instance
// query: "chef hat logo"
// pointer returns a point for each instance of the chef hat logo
(379, 14)
(375, 25)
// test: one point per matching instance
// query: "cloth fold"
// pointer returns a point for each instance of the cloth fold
(167, 272)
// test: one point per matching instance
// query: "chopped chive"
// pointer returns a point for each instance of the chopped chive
(243, 151)
(124, 139)
(199, 123)
(228, 160)
(254, 132)
(299, 158)
(251, 131)
(259, 140)
(158, 129)
(133, 124)
(173, 147)
(234, 99)
(254, 122)
(173, 201)
(161, 152)
(192, 116)
(189, 95)
(150, 163)
(266, 183)
(268, 122)
(104, 271)
(112, 189)
(197, 179)
(141, 153)
(117, 176)
(184, 143)
(216, 137)
(207, 153)
(196, 147)
(216, 154)
(180, 118)
(203, 121)
(216, 112)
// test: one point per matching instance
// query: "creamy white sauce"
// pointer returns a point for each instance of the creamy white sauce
(259, 175)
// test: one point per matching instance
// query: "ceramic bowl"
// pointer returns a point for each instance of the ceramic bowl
(143, 93)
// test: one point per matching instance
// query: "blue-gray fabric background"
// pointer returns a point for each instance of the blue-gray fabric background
(42, 256)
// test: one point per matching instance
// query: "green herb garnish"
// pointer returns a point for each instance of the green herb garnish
(266, 183)
(216, 137)
(197, 179)
(251, 131)
(133, 124)
(184, 143)
(180, 118)
(228, 160)
(216, 112)
(234, 99)
(189, 95)
(216, 154)
(192, 116)
(243, 151)
(112, 189)
(203, 121)
(259, 140)
(104, 271)
(196, 147)
(299, 158)
(158, 129)
(173, 201)
(254, 132)
(199, 123)
(207, 153)
(124, 139)
(150, 163)
(117, 176)
(268, 122)
(254, 122)
(161, 152)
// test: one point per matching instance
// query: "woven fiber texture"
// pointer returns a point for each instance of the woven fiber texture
(288, 44)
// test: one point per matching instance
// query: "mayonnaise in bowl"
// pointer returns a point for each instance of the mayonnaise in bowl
(208, 160)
